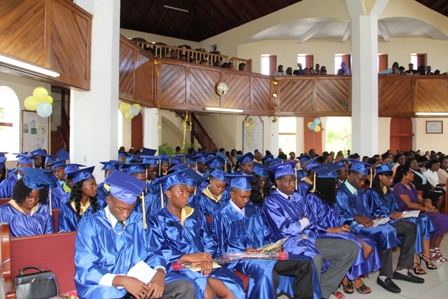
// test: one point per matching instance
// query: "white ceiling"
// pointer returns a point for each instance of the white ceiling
(305, 29)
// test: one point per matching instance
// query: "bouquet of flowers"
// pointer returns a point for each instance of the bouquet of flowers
(68, 295)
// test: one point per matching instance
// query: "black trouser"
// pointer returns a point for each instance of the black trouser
(303, 274)
(181, 289)
(408, 231)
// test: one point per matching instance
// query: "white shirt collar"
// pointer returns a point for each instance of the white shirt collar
(242, 211)
(283, 194)
(112, 220)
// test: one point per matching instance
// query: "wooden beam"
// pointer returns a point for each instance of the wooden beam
(346, 33)
(382, 29)
(312, 31)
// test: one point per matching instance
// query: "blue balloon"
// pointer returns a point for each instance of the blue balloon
(44, 109)
(311, 127)
(317, 121)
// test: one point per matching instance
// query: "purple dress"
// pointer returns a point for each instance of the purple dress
(440, 221)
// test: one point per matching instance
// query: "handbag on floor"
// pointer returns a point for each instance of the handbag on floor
(37, 285)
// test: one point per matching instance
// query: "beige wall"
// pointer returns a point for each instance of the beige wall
(428, 142)
(384, 134)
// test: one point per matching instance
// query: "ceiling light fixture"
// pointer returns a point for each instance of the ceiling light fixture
(431, 113)
(20, 65)
(224, 109)
(175, 8)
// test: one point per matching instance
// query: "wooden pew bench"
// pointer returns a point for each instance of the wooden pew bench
(53, 252)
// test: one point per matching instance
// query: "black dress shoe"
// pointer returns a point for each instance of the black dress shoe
(410, 277)
(388, 285)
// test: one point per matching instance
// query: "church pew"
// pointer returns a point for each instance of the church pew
(53, 252)
(4, 200)
(56, 219)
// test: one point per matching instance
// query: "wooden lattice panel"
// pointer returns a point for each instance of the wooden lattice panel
(22, 29)
(172, 85)
(431, 95)
(201, 91)
(238, 96)
(332, 96)
(144, 78)
(295, 95)
(127, 82)
(260, 94)
(395, 95)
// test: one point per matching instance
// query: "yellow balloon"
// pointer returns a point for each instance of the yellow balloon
(41, 94)
(125, 107)
(317, 129)
(128, 116)
(138, 106)
(31, 103)
(49, 100)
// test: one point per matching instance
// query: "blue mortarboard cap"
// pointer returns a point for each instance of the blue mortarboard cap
(147, 151)
(383, 168)
(192, 178)
(304, 158)
(359, 166)
(63, 155)
(134, 168)
(218, 174)
(312, 164)
(261, 169)
(72, 167)
(178, 167)
(122, 154)
(125, 187)
(49, 159)
(328, 170)
(35, 178)
(199, 158)
(81, 174)
(215, 162)
(24, 159)
(241, 182)
(276, 161)
(267, 159)
(341, 163)
(176, 178)
(247, 157)
(190, 159)
(38, 152)
(2, 162)
(283, 169)
(175, 161)
(165, 159)
(150, 160)
(224, 157)
(3, 154)
(135, 158)
(111, 165)
(57, 164)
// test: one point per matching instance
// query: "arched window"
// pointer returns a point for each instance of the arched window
(9, 122)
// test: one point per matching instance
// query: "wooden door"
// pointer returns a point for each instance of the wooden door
(137, 132)
(401, 134)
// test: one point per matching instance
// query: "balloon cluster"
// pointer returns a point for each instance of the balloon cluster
(314, 125)
(40, 101)
(129, 110)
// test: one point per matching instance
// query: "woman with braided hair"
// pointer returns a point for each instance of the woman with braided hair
(82, 200)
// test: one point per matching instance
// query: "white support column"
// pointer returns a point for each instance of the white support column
(152, 135)
(273, 140)
(93, 114)
(364, 54)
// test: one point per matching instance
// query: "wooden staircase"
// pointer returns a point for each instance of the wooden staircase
(199, 132)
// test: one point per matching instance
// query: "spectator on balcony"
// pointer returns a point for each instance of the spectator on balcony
(288, 71)
(428, 70)
(401, 70)
(230, 65)
(299, 71)
(224, 65)
(279, 71)
(410, 70)
(173, 54)
(390, 70)
(317, 69)
(306, 71)
(323, 70)
(217, 63)
(183, 58)
(311, 72)
(340, 72)
(242, 66)
(345, 68)
(203, 62)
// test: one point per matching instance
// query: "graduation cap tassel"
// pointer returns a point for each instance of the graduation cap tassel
(314, 184)
(161, 196)
(295, 173)
(142, 196)
(160, 167)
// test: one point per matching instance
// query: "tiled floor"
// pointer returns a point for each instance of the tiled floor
(435, 286)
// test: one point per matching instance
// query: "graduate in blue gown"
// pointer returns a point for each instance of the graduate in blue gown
(240, 228)
(301, 173)
(102, 190)
(261, 185)
(7, 185)
(58, 196)
(351, 200)
(285, 213)
(27, 213)
(305, 184)
(214, 196)
(3, 172)
(381, 203)
(114, 240)
(186, 237)
(38, 157)
(82, 202)
(325, 221)
(245, 164)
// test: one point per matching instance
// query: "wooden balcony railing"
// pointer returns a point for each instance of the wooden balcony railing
(194, 56)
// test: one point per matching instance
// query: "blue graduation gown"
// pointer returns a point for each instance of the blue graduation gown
(209, 206)
(100, 250)
(68, 220)
(236, 233)
(323, 216)
(303, 187)
(7, 185)
(37, 222)
(101, 194)
(281, 217)
(301, 174)
(350, 205)
(192, 237)
(58, 197)
(379, 207)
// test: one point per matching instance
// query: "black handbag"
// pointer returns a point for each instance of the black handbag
(38, 285)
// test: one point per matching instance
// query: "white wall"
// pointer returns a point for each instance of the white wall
(383, 134)
(428, 142)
